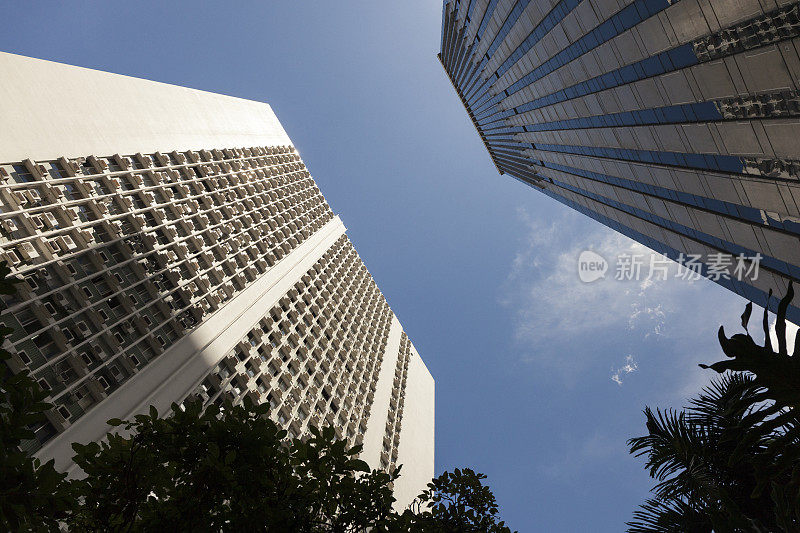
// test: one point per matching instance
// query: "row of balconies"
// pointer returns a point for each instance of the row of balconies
(101, 208)
(99, 165)
(169, 257)
(303, 377)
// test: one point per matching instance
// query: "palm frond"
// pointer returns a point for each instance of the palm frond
(669, 516)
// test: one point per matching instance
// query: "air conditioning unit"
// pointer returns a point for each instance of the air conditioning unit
(50, 219)
(103, 383)
(9, 225)
(67, 243)
(99, 351)
(143, 160)
(33, 195)
(86, 235)
(28, 251)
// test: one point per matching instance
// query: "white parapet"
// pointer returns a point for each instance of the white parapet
(51, 110)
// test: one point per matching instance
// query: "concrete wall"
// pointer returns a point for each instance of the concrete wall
(415, 452)
(51, 110)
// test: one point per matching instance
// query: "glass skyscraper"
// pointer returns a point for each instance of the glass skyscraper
(675, 123)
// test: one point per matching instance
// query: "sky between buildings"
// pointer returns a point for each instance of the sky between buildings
(540, 378)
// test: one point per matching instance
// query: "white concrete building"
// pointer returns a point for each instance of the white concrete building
(173, 244)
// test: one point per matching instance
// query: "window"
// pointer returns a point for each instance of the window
(64, 412)
(116, 372)
(44, 385)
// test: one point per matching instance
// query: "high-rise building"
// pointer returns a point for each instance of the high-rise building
(173, 245)
(676, 123)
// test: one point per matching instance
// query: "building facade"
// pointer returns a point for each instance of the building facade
(173, 245)
(676, 123)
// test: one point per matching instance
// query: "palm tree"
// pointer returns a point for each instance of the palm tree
(710, 460)
(731, 460)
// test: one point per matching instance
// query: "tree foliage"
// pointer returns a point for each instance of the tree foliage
(730, 461)
(233, 469)
(456, 502)
(226, 469)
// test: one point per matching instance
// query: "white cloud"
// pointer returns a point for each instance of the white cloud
(561, 322)
(629, 367)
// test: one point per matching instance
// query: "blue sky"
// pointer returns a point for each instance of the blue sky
(540, 378)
